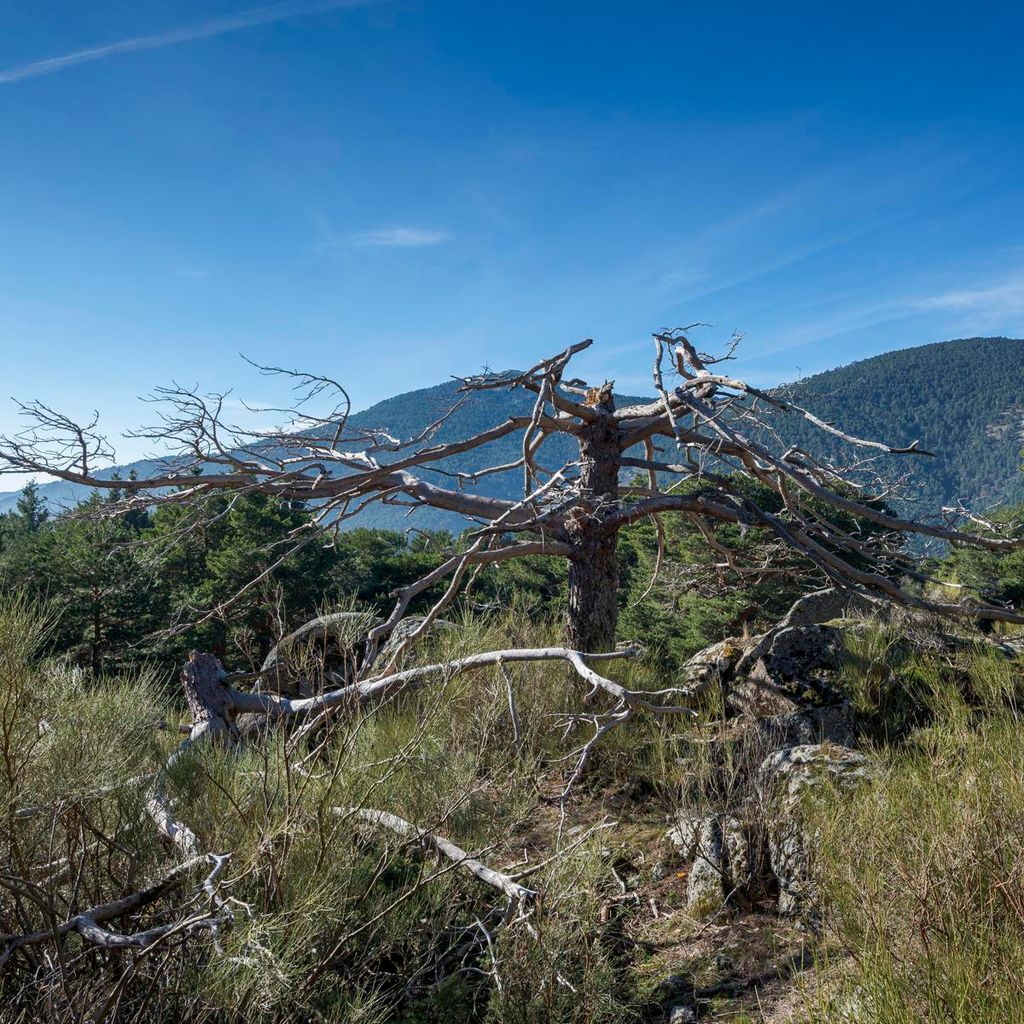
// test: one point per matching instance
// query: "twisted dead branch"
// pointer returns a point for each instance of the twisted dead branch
(89, 923)
(719, 431)
(214, 705)
(520, 897)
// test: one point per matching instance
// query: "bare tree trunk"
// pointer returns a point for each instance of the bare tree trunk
(593, 567)
(593, 597)
(208, 698)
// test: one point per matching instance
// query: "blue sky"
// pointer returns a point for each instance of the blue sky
(390, 192)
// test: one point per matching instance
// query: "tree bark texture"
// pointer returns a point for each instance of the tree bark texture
(209, 700)
(593, 569)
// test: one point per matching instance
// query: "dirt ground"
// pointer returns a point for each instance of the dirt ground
(749, 965)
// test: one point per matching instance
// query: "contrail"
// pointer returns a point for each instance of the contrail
(204, 30)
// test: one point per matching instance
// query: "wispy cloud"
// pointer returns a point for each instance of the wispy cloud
(395, 238)
(190, 272)
(993, 304)
(1002, 297)
(203, 30)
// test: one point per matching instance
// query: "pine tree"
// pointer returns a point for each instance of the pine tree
(31, 509)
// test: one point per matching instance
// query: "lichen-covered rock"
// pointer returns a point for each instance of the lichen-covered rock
(801, 652)
(815, 608)
(728, 861)
(821, 606)
(681, 1013)
(741, 864)
(705, 890)
(714, 664)
(785, 778)
(830, 724)
(683, 835)
(673, 1001)
(737, 851)
(791, 672)
(807, 765)
(698, 840)
(782, 670)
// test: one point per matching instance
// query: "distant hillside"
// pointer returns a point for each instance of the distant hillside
(407, 416)
(962, 399)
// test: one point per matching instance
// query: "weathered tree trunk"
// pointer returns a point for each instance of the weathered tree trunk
(208, 699)
(593, 597)
(593, 569)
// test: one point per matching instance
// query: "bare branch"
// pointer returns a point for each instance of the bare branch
(89, 923)
(519, 895)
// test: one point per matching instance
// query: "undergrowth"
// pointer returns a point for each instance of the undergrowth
(920, 871)
(333, 920)
(921, 868)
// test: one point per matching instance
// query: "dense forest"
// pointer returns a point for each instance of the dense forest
(959, 399)
(126, 590)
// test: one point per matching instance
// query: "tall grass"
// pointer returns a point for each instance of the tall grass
(333, 921)
(921, 870)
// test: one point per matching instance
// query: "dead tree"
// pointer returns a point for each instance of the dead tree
(214, 703)
(686, 452)
(692, 448)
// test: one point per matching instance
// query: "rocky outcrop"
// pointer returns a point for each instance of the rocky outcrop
(792, 729)
(681, 1013)
(705, 887)
(833, 724)
(785, 778)
(714, 665)
(744, 862)
(792, 671)
(727, 867)
(823, 606)
(787, 669)
(673, 1001)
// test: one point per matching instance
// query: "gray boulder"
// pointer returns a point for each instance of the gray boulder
(727, 867)
(705, 888)
(681, 1013)
(792, 672)
(786, 777)
(823, 606)
(714, 664)
(829, 724)
(683, 835)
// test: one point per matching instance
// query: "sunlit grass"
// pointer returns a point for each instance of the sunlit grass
(921, 869)
(923, 895)
(333, 920)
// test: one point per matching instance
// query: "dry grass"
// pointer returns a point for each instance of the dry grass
(343, 923)
(920, 869)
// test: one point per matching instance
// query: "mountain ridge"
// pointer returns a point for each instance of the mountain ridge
(961, 399)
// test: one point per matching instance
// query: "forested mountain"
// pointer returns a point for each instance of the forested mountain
(961, 399)
(406, 416)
